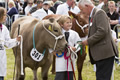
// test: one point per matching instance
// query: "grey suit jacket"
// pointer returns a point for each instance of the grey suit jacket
(100, 41)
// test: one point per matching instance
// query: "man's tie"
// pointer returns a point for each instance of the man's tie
(69, 8)
(66, 36)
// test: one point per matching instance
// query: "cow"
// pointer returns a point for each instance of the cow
(80, 25)
(47, 36)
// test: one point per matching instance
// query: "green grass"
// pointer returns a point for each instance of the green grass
(88, 73)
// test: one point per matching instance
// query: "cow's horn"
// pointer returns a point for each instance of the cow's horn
(51, 20)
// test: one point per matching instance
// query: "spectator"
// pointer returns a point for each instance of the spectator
(39, 6)
(105, 6)
(64, 8)
(54, 1)
(118, 7)
(51, 6)
(16, 4)
(12, 9)
(21, 8)
(56, 4)
(101, 3)
(74, 8)
(28, 7)
(113, 15)
(24, 5)
(41, 13)
(35, 3)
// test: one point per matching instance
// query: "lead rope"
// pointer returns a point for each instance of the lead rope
(66, 58)
(71, 58)
(73, 68)
(21, 49)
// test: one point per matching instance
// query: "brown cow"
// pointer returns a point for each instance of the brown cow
(78, 21)
(43, 40)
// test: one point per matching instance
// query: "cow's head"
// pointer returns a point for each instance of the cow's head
(80, 23)
(53, 37)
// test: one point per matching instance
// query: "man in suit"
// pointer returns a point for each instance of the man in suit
(102, 48)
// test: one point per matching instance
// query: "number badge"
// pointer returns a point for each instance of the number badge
(36, 55)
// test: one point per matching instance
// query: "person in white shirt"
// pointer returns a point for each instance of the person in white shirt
(28, 7)
(75, 8)
(62, 68)
(5, 41)
(41, 13)
(101, 3)
(63, 9)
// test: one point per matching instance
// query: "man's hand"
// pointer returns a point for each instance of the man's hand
(18, 38)
(85, 42)
(73, 48)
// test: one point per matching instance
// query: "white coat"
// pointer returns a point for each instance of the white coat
(61, 63)
(40, 13)
(5, 40)
(27, 9)
(63, 9)
(100, 5)
(75, 10)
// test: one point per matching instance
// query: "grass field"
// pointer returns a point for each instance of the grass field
(88, 73)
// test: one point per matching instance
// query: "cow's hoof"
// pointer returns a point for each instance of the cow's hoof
(22, 77)
(45, 78)
(53, 71)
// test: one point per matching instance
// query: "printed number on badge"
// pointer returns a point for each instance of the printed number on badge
(36, 55)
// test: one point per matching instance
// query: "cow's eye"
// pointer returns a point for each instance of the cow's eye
(56, 30)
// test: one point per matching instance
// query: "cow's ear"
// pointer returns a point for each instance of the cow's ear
(72, 15)
(51, 20)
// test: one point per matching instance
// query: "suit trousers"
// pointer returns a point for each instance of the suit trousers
(1, 78)
(64, 75)
(104, 69)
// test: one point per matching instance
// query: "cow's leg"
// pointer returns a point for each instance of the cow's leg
(80, 61)
(44, 72)
(35, 74)
(45, 67)
(18, 71)
(53, 65)
(19, 76)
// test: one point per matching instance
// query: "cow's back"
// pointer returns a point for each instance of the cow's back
(27, 22)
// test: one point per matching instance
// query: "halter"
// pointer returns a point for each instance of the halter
(82, 27)
(56, 38)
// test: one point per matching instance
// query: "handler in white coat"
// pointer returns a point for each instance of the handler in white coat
(5, 41)
(63, 65)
